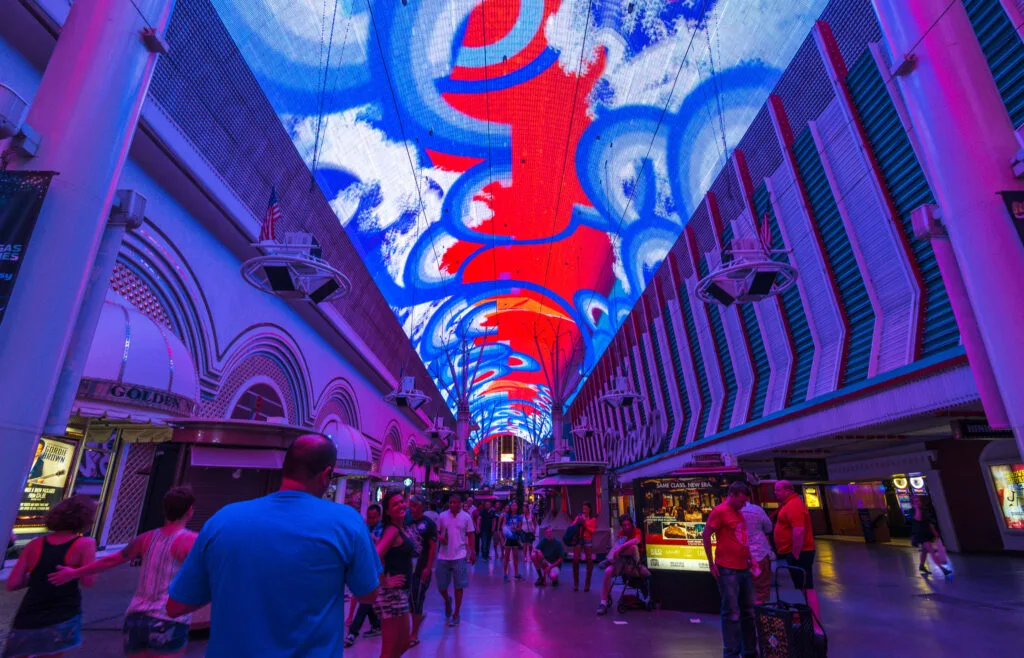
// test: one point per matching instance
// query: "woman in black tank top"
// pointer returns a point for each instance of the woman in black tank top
(49, 619)
(396, 553)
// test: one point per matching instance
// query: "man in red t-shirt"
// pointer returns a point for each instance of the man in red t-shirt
(731, 567)
(794, 542)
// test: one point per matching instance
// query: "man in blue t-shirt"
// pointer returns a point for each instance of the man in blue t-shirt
(275, 569)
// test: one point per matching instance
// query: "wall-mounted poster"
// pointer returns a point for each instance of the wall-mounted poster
(46, 481)
(1009, 485)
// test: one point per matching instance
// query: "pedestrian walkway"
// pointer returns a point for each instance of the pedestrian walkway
(873, 601)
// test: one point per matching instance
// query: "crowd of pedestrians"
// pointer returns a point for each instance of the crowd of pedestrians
(275, 570)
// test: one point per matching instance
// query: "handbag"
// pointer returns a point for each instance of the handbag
(573, 535)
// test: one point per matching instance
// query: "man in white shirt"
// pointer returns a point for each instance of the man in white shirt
(455, 533)
(759, 527)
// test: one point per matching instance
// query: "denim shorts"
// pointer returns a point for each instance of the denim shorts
(41, 641)
(145, 633)
(447, 571)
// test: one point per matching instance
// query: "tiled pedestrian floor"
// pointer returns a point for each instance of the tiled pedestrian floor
(874, 604)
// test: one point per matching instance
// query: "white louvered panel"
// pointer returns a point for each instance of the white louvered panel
(689, 372)
(629, 366)
(887, 273)
(742, 366)
(773, 335)
(658, 402)
(670, 374)
(707, 349)
(816, 293)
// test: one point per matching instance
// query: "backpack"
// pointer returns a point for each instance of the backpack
(573, 535)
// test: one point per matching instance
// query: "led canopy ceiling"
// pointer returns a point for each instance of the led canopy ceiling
(514, 171)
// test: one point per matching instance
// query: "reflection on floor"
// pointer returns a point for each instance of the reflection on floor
(874, 604)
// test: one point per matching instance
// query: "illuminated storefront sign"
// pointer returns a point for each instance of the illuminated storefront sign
(138, 396)
(46, 481)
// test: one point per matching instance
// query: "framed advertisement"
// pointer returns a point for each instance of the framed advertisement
(46, 481)
(672, 512)
(1008, 482)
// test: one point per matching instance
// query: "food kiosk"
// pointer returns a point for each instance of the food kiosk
(564, 489)
(672, 511)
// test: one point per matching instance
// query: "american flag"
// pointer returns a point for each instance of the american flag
(273, 214)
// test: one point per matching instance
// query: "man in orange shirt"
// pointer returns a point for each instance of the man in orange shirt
(794, 542)
(732, 568)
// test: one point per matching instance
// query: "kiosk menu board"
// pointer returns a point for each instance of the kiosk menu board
(672, 513)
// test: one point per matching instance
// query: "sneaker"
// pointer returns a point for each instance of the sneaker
(518, 577)
(540, 582)
(373, 632)
(350, 639)
(602, 609)
(454, 621)
(447, 610)
(925, 571)
(507, 579)
(554, 582)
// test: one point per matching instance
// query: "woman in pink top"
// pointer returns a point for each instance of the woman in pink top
(588, 525)
(148, 630)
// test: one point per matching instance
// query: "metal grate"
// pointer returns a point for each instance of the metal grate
(257, 364)
(722, 348)
(131, 493)
(853, 295)
(905, 183)
(125, 282)
(1004, 50)
(659, 364)
(677, 364)
(803, 343)
(698, 362)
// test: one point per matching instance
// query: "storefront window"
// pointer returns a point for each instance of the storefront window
(1008, 480)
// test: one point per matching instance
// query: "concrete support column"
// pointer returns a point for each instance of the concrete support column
(560, 448)
(88, 319)
(966, 141)
(86, 111)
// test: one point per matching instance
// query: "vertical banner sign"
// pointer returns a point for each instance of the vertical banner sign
(21, 199)
(1015, 206)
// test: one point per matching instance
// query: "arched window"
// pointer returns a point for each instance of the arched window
(259, 402)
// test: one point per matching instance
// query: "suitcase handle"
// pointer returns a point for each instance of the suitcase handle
(778, 598)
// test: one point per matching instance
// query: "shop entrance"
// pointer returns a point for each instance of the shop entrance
(874, 511)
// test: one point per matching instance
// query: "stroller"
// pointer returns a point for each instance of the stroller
(636, 586)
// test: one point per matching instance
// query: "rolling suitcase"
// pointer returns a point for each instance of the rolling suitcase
(786, 630)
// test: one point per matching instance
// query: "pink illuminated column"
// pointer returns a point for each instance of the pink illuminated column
(966, 142)
(86, 111)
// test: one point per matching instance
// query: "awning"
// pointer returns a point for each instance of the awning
(136, 368)
(565, 480)
(214, 457)
(394, 465)
(354, 456)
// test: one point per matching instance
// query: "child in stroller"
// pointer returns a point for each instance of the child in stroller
(624, 561)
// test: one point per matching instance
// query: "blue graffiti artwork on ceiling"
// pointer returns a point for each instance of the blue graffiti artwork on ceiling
(514, 171)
